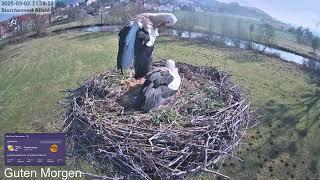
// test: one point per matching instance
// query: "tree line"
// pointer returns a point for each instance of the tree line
(305, 36)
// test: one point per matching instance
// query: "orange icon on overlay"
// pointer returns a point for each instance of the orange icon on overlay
(54, 148)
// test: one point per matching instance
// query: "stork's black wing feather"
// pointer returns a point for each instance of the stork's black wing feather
(122, 37)
(143, 36)
(154, 89)
(160, 77)
(143, 54)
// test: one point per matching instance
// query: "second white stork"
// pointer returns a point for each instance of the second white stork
(160, 84)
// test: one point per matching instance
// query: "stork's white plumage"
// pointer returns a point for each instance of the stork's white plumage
(171, 67)
(151, 22)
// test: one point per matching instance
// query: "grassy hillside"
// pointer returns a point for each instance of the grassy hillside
(231, 8)
(33, 74)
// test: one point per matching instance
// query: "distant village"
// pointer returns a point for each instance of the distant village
(66, 12)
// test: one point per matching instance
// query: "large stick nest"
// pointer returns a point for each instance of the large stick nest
(202, 123)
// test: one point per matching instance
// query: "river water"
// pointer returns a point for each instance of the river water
(284, 55)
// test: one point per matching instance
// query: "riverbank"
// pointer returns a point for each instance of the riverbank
(204, 35)
(238, 27)
(284, 53)
(33, 75)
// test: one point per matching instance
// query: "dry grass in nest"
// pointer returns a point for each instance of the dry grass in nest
(202, 123)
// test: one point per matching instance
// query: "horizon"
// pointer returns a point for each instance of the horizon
(294, 12)
(308, 16)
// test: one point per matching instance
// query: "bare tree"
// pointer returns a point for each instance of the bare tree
(307, 36)
(211, 29)
(268, 35)
(82, 15)
(250, 43)
(315, 44)
(251, 29)
(39, 23)
(299, 33)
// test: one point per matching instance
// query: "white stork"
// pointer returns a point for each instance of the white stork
(160, 84)
(136, 41)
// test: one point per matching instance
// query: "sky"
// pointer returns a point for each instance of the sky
(296, 12)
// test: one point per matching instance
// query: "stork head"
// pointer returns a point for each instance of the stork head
(171, 65)
(169, 19)
(162, 19)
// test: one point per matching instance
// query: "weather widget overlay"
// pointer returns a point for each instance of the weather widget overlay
(35, 149)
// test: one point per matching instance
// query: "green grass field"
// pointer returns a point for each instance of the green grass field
(285, 145)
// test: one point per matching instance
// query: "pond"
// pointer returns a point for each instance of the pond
(284, 55)
(108, 28)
